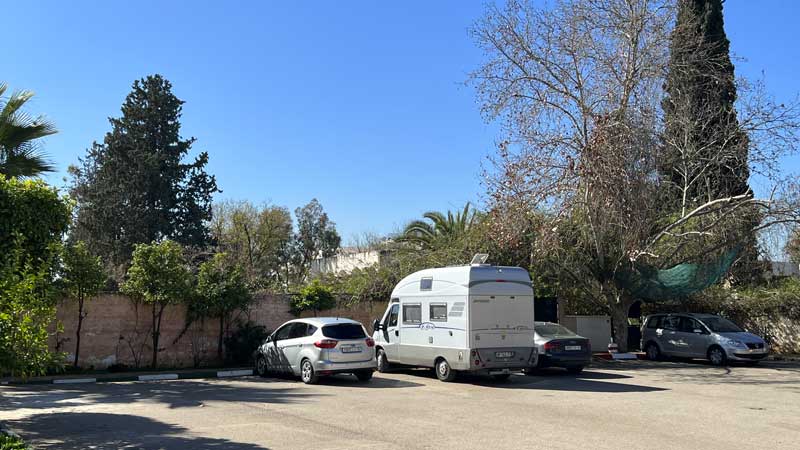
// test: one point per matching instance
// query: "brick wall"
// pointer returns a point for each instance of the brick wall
(117, 331)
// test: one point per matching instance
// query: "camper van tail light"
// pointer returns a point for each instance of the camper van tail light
(476, 357)
(370, 342)
(326, 343)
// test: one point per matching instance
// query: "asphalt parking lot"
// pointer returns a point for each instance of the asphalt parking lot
(640, 405)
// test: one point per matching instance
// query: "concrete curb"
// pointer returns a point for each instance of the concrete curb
(605, 356)
(122, 377)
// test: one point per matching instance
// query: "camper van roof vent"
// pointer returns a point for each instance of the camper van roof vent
(479, 259)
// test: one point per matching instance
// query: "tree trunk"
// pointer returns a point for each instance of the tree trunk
(619, 320)
(78, 332)
(156, 331)
(221, 333)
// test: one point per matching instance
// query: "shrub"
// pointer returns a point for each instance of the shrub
(9, 442)
(313, 297)
(241, 344)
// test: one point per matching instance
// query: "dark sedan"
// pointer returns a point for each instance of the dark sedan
(560, 347)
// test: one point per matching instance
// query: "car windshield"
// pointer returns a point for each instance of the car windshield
(344, 331)
(553, 329)
(720, 325)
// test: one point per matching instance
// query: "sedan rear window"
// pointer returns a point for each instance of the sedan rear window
(553, 329)
(344, 331)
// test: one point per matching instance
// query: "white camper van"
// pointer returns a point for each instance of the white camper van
(476, 318)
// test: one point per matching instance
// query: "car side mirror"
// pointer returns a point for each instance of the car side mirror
(268, 340)
(376, 325)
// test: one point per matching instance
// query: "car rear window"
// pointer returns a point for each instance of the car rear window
(553, 329)
(344, 331)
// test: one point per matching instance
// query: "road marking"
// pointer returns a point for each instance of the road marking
(160, 376)
(75, 380)
(234, 373)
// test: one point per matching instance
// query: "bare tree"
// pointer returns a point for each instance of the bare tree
(578, 86)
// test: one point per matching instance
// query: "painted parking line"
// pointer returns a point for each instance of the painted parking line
(234, 373)
(75, 380)
(159, 376)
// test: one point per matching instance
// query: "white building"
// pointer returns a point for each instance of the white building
(347, 260)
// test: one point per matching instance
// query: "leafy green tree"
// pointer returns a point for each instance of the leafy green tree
(135, 187)
(27, 309)
(82, 277)
(221, 290)
(158, 276)
(315, 296)
(316, 234)
(33, 219)
(20, 156)
(257, 239)
(441, 229)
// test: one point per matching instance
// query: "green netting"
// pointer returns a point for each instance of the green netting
(651, 284)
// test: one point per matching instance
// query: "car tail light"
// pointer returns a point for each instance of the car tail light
(326, 343)
(370, 342)
(551, 346)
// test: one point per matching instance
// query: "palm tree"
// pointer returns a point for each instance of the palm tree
(440, 227)
(19, 154)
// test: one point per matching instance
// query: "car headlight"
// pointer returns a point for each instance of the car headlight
(733, 343)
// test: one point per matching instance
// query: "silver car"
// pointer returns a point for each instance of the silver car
(315, 347)
(700, 336)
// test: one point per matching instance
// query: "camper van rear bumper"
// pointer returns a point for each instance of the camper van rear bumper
(492, 360)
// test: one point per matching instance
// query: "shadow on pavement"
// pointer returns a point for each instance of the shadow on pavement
(586, 382)
(70, 430)
(702, 372)
(547, 379)
(377, 382)
(175, 394)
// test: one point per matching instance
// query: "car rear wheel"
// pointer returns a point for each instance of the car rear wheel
(444, 372)
(501, 376)
(717, 356)
(307, 372)
(364, 375)
(383, 363)
(261, 366)
(652, 351)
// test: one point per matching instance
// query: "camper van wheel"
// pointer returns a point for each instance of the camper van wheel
(383, 363)
(443, 370)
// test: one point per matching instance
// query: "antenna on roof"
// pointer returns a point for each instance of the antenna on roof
(479, 258)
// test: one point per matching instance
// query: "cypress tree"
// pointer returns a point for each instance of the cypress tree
(701, 126)
(135, 187)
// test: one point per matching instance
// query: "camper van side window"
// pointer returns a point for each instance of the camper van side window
(391, 321)
(438, 312)
(426, 284)
(412, 314)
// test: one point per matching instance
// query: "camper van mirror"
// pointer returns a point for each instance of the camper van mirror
(479, 258)
(376, 325)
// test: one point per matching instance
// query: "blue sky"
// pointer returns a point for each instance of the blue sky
(359, 104)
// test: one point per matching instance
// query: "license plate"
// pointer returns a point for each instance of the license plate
(503, 354)
(572, 348)
(351, 349)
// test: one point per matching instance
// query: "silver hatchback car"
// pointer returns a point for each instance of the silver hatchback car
(700, 336)
(318, 346)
